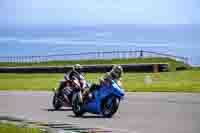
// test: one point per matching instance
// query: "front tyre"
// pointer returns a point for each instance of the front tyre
(110, 106)
(57, 104)
(77, 104)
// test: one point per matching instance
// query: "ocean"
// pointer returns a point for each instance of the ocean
(176, 40)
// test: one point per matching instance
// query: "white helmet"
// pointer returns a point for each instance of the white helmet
(77, 68)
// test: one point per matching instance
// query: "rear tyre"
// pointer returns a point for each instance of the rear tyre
(77, 104)
(57, 103)
(110, 106)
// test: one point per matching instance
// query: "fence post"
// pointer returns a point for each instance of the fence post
(155, 68)
(141, 53)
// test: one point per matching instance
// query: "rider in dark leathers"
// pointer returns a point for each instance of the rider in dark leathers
(115, 74)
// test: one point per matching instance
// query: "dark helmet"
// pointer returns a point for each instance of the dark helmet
(77, 68)
(117, 71)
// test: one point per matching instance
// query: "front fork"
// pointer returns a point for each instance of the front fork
(80, 97)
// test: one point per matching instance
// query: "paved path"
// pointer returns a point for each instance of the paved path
(138, 113)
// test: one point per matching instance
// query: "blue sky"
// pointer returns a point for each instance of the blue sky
(56, 15)
(34, 13)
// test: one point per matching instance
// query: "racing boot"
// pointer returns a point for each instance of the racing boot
(87, 95)
(88, 92)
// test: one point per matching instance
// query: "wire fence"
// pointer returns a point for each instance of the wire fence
(90, 56)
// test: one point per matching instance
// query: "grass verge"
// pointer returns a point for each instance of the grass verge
(10, 128)
(179, 81)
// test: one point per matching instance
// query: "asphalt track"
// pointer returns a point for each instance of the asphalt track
(138, 113)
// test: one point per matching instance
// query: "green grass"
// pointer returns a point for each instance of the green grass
(173, 63)
(10, 128)
(29, 81)
(179, 81)
(196, 68)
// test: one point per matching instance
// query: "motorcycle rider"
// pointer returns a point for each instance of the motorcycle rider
(75, 73)
(115, 74)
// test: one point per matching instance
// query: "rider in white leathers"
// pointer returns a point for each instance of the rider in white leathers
(75, 74)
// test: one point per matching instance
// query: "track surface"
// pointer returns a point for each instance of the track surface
(138, 113)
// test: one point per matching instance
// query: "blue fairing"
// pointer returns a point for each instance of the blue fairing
(94, 106)
(117, 90)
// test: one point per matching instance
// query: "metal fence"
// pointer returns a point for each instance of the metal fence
(90, 56)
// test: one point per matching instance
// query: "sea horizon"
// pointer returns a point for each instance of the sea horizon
(181, 40)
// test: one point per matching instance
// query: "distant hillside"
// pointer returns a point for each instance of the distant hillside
(173, 63)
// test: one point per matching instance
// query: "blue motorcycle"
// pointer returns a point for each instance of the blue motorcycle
(105, 101)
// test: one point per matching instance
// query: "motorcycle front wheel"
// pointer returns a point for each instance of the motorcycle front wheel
(57, 104)
(77, 104)
(110, 106)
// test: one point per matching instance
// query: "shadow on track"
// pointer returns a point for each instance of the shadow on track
(51, 109)
(87, 116)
